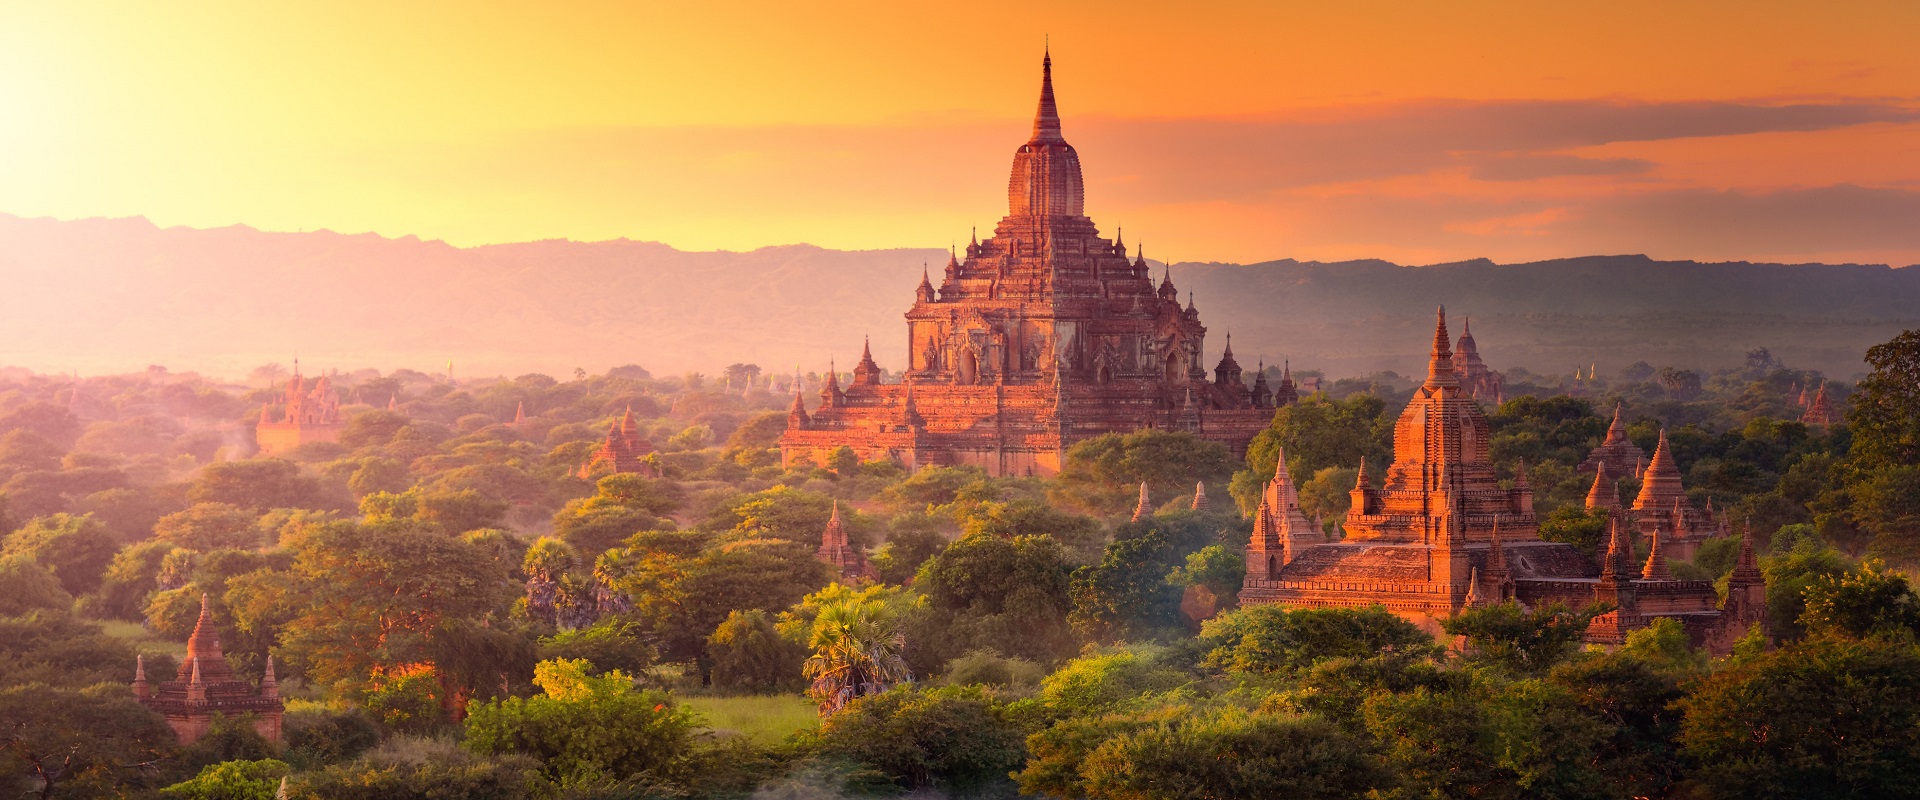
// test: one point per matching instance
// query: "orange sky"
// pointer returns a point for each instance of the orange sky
(1418, 131)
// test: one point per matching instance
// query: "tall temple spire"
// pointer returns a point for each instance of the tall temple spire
(1440, 364)
(1145, 508)
(1046, 121)
(1200, 496)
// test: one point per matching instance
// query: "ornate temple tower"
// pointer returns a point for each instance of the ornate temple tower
(1441, 463)
(310, 412)
(206, 686)
(1043, 334)
(1662, 509)
(1443, 535)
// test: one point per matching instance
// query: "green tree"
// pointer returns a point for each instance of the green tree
(232, 780)
(368, 600)
(1233, 754)
(1273, 639)
(56, 648)
(1577, 526)
(1102, 475)
(750, 655)
(79, 741)
(421, 769)
(951, 738)
(1216, 573)
(1789, 575)
(210, 526)
(1316, 433)
(608, 644)
(260, 485)
(856, 652)
(1528, 640)
(914, 540)
(1826, 718)
(1126, 596)
(584, 729)
(26, 586)
(684, 598)
(1885, 413)
(132, 577)
(76, 550)
(990, 592)
(1861, 603)
(621, 506)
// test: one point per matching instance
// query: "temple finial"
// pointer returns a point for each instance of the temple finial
(1046, 122)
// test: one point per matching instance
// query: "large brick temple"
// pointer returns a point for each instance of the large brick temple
(310, 412)
(1443, 535)
(1042, 335)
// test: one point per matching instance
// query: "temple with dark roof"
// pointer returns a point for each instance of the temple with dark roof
(205, 686)
(1041, 335)
(1443, 535)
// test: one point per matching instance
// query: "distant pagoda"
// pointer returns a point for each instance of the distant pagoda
(309, 412)
(624, 451)
(838, 552)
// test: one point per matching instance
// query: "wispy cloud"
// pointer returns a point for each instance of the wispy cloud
(1433, 180)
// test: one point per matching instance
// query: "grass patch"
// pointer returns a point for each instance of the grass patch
(141, 639)
(763, 718)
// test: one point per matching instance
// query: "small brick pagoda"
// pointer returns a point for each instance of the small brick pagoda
(310, 412)
(1042, 335)
(1662, 510)
(625, 450)
(205, 686)
(1443, 535)
(1819, 413)
(1619, 453)
(839, 553)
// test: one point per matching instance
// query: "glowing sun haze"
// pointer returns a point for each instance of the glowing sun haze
(1414, 131)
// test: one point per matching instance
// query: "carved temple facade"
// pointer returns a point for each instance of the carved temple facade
(1041, 335)
(1443, 535)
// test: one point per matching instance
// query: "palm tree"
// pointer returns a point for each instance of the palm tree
(857, 650)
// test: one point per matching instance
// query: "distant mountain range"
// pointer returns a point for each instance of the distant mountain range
(104, 295)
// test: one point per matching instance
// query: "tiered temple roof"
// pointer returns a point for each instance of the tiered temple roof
(1442, 535)
(624, 450)
(1043, 334)
(1819, 411)
(1620, 454)
(1662, 507)
(205, 685)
